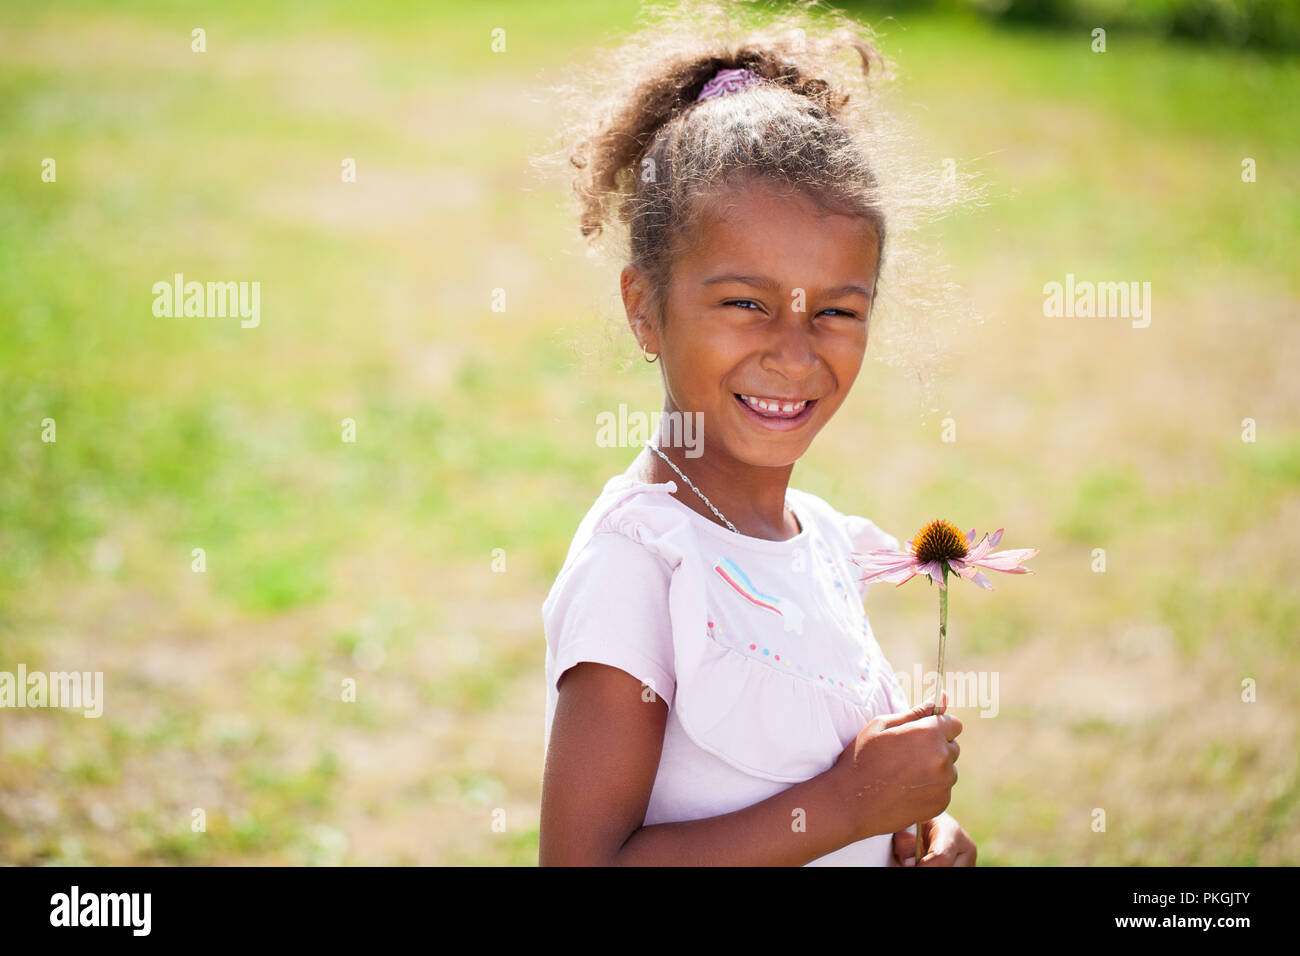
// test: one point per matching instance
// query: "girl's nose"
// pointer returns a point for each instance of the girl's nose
(791, 353)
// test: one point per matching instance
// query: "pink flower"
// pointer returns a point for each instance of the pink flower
(939, 547)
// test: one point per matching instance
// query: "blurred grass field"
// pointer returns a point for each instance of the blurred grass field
(373, 560)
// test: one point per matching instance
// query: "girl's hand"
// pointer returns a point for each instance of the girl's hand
(899, 768)
(946, 843)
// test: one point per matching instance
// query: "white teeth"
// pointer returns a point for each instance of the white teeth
(774, 405)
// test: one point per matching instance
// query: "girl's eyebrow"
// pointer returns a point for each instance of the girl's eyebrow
(764, 283)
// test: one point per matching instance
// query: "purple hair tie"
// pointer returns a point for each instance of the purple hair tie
(728, 81)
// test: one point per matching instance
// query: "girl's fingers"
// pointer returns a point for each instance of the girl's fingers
(942, 852)
(943, 846)
(945, 857)
(905, 848)
(949, 845)
(940, 847)
(919, 712)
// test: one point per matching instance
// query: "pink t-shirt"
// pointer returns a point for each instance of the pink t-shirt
(761, 649)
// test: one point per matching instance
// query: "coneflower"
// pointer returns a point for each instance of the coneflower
(936, 549)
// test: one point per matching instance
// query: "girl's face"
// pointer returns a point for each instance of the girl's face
(772, 304)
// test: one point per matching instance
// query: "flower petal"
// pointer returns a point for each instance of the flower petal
(878, 552)
(884, 569)
(995, 538)
(1005, 560)
(891, 575)
(970, 573)
(911, 573)
(970, 538)
(932, 568)
(962, 568)
(886, 564)
(878, 557)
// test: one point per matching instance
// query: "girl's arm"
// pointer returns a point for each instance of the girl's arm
(605, 743)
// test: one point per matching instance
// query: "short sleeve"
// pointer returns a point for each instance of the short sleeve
(866, 537)
(611, 607)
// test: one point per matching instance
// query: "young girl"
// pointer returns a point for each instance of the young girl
(715, 694)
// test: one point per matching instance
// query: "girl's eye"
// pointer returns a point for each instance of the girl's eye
(744, 302)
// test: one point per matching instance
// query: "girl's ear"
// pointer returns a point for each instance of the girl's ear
(636, 302)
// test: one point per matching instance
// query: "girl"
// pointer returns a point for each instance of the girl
(715, 694)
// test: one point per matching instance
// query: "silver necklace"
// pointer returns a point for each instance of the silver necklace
(691, 485)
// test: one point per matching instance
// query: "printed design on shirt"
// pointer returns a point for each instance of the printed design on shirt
(849, 595)
(855, 614)
(859, 689)
(791, 614)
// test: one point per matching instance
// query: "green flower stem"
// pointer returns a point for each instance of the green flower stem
(943, 634)
(938, 685)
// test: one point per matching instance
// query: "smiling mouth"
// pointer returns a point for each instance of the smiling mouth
(776, 410)
(773, 407)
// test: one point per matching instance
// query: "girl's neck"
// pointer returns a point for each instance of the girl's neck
(752, 499)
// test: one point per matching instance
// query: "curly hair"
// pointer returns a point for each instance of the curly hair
(647, 156)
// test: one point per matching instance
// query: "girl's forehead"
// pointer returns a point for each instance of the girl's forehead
(796, 244)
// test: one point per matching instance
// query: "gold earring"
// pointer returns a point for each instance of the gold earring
(645, 355)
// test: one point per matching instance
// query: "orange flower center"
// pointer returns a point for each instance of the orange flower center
(939, 539)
